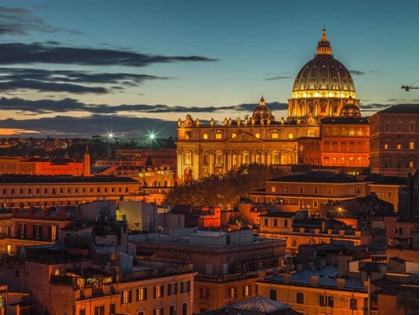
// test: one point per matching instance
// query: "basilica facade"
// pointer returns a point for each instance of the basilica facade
(323, 90)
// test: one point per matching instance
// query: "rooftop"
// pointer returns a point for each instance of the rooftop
(326, 279)
(402, 109)
(12, 179)
(317, 177)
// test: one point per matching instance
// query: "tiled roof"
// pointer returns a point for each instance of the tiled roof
(402, 109)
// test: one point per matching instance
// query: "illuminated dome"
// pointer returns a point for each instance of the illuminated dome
(350, 111)
(323, 85)
(262, 112)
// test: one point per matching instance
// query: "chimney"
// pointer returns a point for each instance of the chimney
(261, 275)
(314, 280)
(340, 283)
(275, 271)
(86, 163)
(287, 277)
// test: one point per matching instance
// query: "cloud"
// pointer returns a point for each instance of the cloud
(30, 107)
(19, 53)
(357, 72)
(278, 78)
(16, 21)
(13, 79)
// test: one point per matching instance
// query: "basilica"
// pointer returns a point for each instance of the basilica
(324, 127)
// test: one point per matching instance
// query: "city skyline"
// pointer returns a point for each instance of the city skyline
(80, 69)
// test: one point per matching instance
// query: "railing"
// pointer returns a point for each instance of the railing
(156, 272)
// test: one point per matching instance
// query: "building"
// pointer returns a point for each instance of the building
(226, 262)
(394, 136)
(322, 88)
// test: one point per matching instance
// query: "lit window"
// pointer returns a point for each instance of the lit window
(325, 300)
(286, 189)
(275, 222)
(185, 286)
(233, 135)
(205, 136)
(172, 288)
(351, 132)
(258, 135)
(353, 303)
(273, 188)
(274, 136)
(411, 145)
(204, 293)
(218, 136)
(410, 164)
(126, 297)
(399, 146)
(232, 293)
(141, 294)
(386, 146)
(381, 194)
(158, 291)
(291, 135)
(311, 133)
(247, 290)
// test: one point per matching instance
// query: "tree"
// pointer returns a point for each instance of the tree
(224, 189)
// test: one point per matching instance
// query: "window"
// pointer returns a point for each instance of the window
(353, 303)
(247, 290)
(411, 145)
(204, 293)
(158, 311)
(315, 190)
(265, 222)
(386, 146)
(381, 194)
(172, 288)
(99, 310)
(274, 136)
(412, 126)
(286, 189)
(218, 136)
(112, 309)
(233, 135)
(387, 126)
(126, 296)
(205, 136)
(82, 312)
(300, 190)
(52, 233)
(172, 310)
(285, 223)
(273, 188)
(315, 203)
(389, 194)
(185, 286)
(91, 190)
(98, 190)
(275, 222)
(232, 293)
(273, 294)
(37, 190)
(158, 291)
(141, 294)
(410, 164)
(257, 135)
(21, 191)
(37, 232)
(311, 133)
(399, 126)
(326, 300)
(399, 146)
(329, 191)
(187, 158)
(290, 136)
(300, 298)
(185, 309)
(387, 164)
(22, 230)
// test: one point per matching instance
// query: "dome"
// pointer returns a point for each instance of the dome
(324, 74)
(262, 112)
(350, 111)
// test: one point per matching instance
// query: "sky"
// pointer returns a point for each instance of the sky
(83, 68)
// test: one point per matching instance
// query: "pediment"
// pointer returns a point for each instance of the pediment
(244, 137)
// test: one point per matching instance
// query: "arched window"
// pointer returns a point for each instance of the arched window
(219, 159)
(360, 146)
(246, 158)
(273, 294)
(158, 311)
(352, 146)
(300, 298)
(187, 158)
(258, 159)
(276, 159)
(185, 309)
(172, 310)
(326, 161)
(334, 146)
(343, 146)
(353, 303)
(234, 160)
(326, 146)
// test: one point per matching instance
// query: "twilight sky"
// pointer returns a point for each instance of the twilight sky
(82, 68)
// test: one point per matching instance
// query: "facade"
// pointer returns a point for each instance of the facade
(226, 262)
(394, 136)
(17, 192)
(322, 88)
